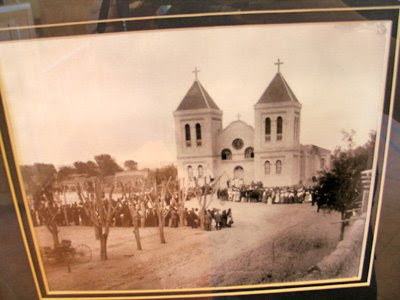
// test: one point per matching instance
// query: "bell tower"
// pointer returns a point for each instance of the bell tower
(198, 120)
(277, 133)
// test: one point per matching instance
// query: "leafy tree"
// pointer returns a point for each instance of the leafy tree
(39, 182)
(92, 168)
(48, 210)
(131, 165)
(166, 173)
(80, 167)
(89, 168)
(37, 175)
(107, 165)
(64, 172)
(340, 188)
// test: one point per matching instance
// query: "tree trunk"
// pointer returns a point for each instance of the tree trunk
(65, 209)
(66, 216)
(342, 226)
(103, 246)
(161, 228)
(137, 237)
(201, 217)
(202, 212)
(181, 206)
(143, 216)
(181, 220)
(54, 233)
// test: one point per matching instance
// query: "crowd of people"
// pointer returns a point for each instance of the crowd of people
(272, 195)
(145, 215)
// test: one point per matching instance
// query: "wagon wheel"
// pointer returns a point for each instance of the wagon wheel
(82, 253)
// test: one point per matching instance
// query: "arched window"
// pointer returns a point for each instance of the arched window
(267, 129)
(200, 172)
(278, 167)
(198, 134)
(187, 135)
(267, 167)
(226, 154)
(279, 128)
(249, 153)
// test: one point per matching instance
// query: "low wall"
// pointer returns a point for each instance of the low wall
(344, 260)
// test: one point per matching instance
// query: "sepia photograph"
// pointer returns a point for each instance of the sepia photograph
(219, 157)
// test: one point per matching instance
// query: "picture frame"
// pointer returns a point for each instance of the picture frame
(194, 23)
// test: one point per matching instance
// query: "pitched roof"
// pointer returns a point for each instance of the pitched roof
(197, 98)
(278, 91)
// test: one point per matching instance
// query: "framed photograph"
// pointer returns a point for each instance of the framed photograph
(201, 155)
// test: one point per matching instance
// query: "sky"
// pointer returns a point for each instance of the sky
(72, 98)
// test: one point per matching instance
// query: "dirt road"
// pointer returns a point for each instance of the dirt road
(191, 257)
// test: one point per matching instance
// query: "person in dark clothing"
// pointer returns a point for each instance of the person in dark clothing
(207, 220)
(155, 218)
(147, 221)
(229, 218)
(193, 218)
(127, 220)
(218, 220)
(186, 217)
(174, 218)
(224, 219)
(76, 215)
(70, 215)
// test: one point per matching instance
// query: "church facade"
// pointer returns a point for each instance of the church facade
(269, 152)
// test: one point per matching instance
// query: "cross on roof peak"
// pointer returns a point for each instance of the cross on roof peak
(196, 71)
(238, 116)
(279, 63)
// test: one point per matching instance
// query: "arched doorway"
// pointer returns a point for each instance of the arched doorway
(238, 172)
(237, 181)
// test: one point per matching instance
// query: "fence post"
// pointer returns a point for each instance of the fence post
(366, 183)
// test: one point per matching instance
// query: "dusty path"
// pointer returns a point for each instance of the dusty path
(191, 257)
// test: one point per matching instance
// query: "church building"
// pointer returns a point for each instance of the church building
(269, 152)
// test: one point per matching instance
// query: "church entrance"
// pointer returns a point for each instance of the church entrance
(238, 172)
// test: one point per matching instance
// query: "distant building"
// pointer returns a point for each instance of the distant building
(133, 177)
(269, 152)
(73, 180)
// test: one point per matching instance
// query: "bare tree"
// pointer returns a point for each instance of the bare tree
(47, 209)
(182, 194)
(157, 199)
(204, 195)
(64, 207)
(135, 216)
(100, 210)
(348, 137)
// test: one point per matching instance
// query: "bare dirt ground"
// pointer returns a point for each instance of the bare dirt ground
(255, 250)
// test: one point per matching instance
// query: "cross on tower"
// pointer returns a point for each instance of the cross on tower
(238, 116)
(196, 71)
(279, 63)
